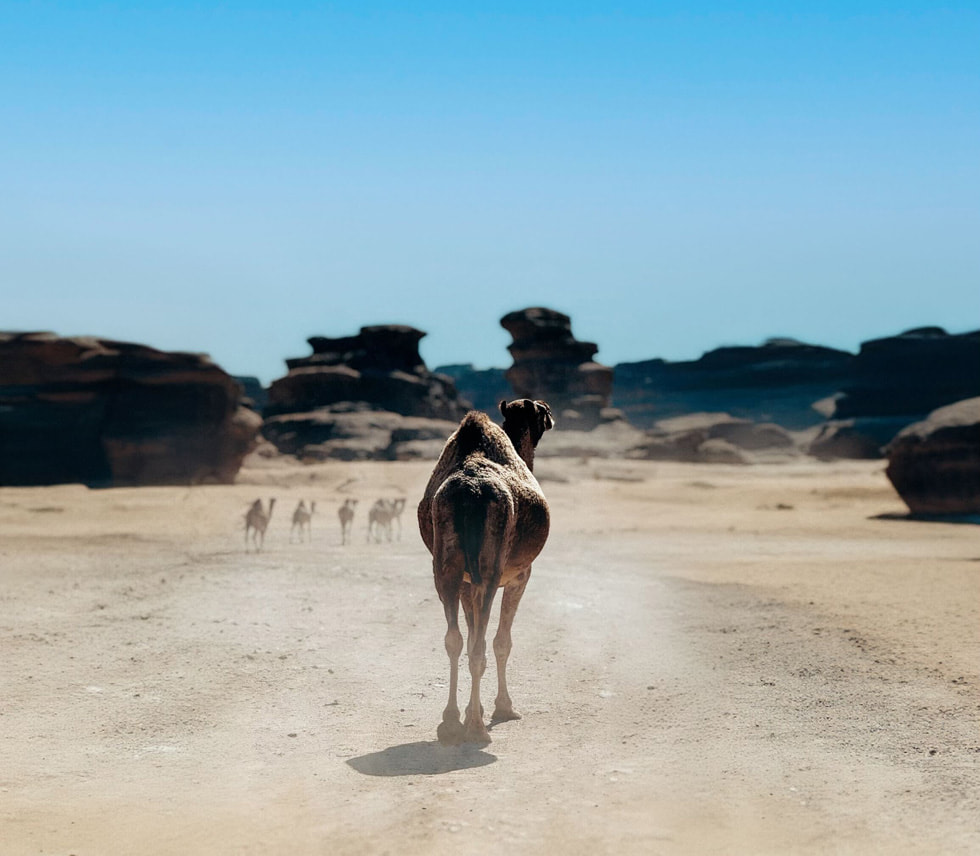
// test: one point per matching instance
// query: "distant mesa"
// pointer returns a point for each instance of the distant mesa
(776, 382)
(106, 413)
(935, 464)
(483, 388)
(361, 397)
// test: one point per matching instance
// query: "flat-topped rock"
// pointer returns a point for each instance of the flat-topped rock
(353, 395)
(108, 413)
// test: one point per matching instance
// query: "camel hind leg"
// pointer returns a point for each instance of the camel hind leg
(447, 580)
(503, 707)
(478, 617)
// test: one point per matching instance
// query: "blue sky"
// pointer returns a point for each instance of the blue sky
(235, 178)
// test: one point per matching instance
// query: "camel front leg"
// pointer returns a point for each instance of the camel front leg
(503, 707)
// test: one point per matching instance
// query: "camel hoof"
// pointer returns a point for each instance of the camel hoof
(450, 732)
(477, 734)
(507, 714)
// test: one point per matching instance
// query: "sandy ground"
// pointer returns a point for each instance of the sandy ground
(709, 659)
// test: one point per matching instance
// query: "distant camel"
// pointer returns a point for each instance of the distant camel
(397, 507)
(379, 521)
(484, 519)
(257, 520)
(301, 520)
(346, 515)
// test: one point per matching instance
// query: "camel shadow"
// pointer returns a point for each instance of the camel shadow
(427, 758)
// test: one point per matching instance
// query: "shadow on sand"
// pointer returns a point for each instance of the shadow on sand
(420, 759)
(971, 519)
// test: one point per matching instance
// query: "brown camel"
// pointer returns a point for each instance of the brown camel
(484, 519)
(301, 520)
(346, 515)
(257, 520)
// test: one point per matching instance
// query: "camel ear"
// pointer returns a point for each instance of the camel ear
(544, 415)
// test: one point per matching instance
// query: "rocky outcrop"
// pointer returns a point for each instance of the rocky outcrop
(107, 413)
(551, 364)
(894, 382)
(713, 438)
(910, 375)
(777, 382)
(935, 464)
(368, 396)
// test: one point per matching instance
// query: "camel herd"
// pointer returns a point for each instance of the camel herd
(383, 517)
(484, 519)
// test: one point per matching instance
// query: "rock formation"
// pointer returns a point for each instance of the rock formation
(895, 381)
(362, 397)
(935, 464)
(713, 438)
(107, 413)
(551, 364)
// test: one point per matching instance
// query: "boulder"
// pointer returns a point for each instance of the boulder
(935, 464)
(107, 413)
(552, 365)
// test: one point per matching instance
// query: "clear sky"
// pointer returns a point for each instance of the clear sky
(236, 177)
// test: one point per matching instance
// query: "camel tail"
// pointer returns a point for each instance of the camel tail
(470, 521)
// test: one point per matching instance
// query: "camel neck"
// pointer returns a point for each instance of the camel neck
(524, 447)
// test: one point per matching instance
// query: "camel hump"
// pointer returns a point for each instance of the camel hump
(475, 434)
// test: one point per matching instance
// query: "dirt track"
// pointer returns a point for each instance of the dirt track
(708, 659)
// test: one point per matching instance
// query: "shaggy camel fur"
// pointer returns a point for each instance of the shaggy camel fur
(257, 520)
(301, 520)
(484, 519)
(346, 515)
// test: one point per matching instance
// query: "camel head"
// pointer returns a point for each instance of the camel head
(525, 416)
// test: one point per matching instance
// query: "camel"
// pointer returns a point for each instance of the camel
(346, 515)
(257, 520)
(484, 519)
(301, 520)
(382, 514)
(397, 507)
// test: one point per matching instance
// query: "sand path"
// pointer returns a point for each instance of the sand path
(708, 659)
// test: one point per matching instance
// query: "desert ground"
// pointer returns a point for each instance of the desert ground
(708, 659)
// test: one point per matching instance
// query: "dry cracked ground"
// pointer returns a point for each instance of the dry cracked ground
(708, 659)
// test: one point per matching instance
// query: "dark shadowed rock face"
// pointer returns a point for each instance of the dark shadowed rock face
(897, 381)
(368, 396)
(778, 382)
(552, 365)
(108, 413)
(935, 464)
(484, 388)
(911, 374)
